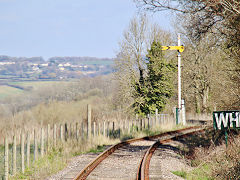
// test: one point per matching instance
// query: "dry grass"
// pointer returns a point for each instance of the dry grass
(58, 157)
(227, 164)
(213, 160)
(195, 116)
(58, 112)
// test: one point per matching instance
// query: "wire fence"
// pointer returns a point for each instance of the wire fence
(22, 150)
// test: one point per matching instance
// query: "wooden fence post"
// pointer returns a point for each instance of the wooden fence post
(113, 127)
(125, 125)
(54, 135)
(14, 154)
(141, 124)
(108, 134)
(94, 129)
(42, 142)
(66, 132)
(61, 133)
(156, 117)
(70, 130)
(77, 131)
(148, 123)
(22, 153)
(129, 126)
(28, 149)
(104, 128)
(89, 125)
(135, 122)
(6, 165)
(99, 129)
(82, 131)
(144, 123)
(48, 138)
(35, 146)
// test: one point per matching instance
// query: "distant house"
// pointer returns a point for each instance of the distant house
(6, 63)
(74, 66)
(67, 64)
(45, 65)
(35, 68)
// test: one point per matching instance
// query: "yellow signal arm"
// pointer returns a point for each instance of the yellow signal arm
(178, 48)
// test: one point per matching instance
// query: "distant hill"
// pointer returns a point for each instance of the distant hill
(21, 59)
(34, 68)
(81, 60)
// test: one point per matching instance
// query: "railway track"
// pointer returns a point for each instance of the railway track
(131, 159)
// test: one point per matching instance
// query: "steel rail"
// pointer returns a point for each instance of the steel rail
(143, 169)
(92, 165)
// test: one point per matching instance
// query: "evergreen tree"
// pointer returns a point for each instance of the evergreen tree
(157, 87)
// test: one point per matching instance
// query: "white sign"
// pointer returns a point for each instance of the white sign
(225, 119)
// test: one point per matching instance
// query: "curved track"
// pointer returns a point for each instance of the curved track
(143, 170)
(131, 158)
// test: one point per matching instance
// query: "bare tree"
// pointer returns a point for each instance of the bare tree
(217, 17)
(190, 6)
(206, 16)
(130, 62)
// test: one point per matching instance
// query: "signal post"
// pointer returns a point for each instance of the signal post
(180, 111)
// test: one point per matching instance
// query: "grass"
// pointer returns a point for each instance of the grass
(7, 91)
(1, 161)
(49, 164)
(57, 159)
(98, 149)
(212, 160)
(38, 84)
(202, 172)
(182, 174)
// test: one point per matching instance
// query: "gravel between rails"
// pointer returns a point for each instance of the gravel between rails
(163, 162)
(167, 159)
(123, 163)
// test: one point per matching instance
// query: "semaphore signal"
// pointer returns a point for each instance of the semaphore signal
(180, 111)
(178, 48)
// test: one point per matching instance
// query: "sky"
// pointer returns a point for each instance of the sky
(50, 28)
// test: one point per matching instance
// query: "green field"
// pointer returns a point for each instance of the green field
(35, 85)
(28, 87)
(106, 62)
(7, 91)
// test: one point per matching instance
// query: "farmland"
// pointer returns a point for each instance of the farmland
(18, 88)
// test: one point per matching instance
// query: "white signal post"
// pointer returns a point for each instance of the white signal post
(179, 74)
(181, 110)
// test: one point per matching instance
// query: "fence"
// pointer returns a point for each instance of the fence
(22, 150)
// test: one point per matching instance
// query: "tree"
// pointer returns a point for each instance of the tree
(157, 87)
(203, 17)
(130, 63)
(215, 16)
(203, 71)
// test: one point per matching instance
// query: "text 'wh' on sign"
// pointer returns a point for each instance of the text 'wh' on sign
(226, 119)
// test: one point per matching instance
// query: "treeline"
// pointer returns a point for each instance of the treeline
(210, 67)
(58, 59)
(21, 59)
(35, 68)
(81, 60)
